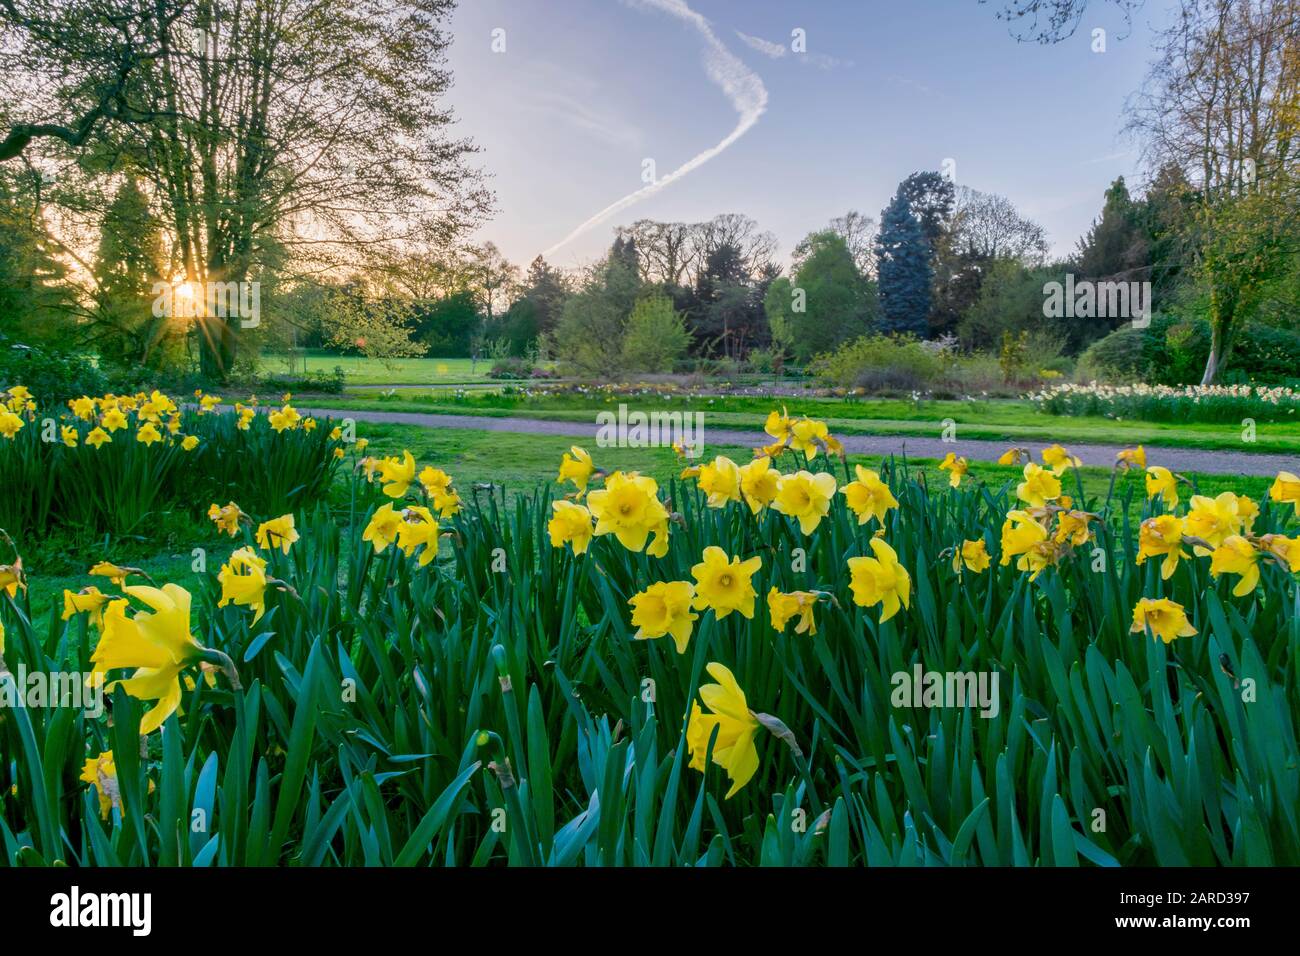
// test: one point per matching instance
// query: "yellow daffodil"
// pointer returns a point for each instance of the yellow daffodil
(778, 426)
(1247, 512)
(189, 442)
(663, 609)
(11, 578)
(1161, 481)
(243, 582)
(113, 572)
(733, 749)
(1286, 488)
(1026, 540)
(1014, 456)
(972, 555)
(1236, 555)
(1166, 619)
(419, 529)
(725, 584)
(113, 419)
(157, 645)
(1285, 549)
(571, 524)
(383, 527)
(868, 497)
(101, 772)
(758, 483)
(809, 437)
(956, 468)
(96, 437)
(1058, 459)
(89, 600)
(880, 580)
(434, 481)
(83, 408)
(68, 435)
(148, 434)
(277, 533)
(720, 480)
(576, 466)
(397, 474)
(1039, 487)
(10, 423)
(805, 497)
(1162, 535)
(782, 606)
(1212, 519)
(629, 508)
(447, 503)
(1072, 527)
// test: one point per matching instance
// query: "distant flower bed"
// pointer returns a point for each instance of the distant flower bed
(1167, 403)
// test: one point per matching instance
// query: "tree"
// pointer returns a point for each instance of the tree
(492, 278)
(1050, 21)
(315, 126)
(859, 234)
(827, 303)
(32, 293)
(589, 337)
(447, 326)
(904, 271)
(929, 197)
(377, 328)
(656, 336)
(128, 263)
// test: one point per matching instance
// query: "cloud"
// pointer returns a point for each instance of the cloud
(765, 47)
(741, 85)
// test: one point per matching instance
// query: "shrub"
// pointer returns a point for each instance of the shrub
(56, 375)
(879, 363)
(511, 368)
(656, 336)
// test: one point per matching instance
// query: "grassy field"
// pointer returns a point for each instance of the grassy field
(519, 462)
(360, 370)
(995, 420)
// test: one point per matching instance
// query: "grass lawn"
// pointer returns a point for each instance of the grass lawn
(360, 370)
(1006, 420)
(520, 462)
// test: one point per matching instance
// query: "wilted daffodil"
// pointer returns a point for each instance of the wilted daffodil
(972, 555)
(805, 497)
(576, 466)
(734, 748)
(113, 572)
(1286, 489)
(724, 584)
(1166, 619)
(1039, 487)
(397, 474)
(956, 468)
(663, 609)
(1131, 458)
(868, 497)
(156, 645)
(1161, 481)
(629, 508)
(101, 772)
(781, 607)
(89, 600)
(1236, 555)
(243, 582)
(1162, 535)
(1014, 456)
(12, 578)
(1072, 528)
(720, 481)
(758, 483)
(571, 524)
(277, 533)
(1058, 459)
(880, 580)
(226, 519)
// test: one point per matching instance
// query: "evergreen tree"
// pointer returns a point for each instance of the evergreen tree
(903, 268)
(128, 262)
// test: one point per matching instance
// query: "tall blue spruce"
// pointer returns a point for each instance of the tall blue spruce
(904, 271)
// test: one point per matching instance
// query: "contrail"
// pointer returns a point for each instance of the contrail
(741, 85)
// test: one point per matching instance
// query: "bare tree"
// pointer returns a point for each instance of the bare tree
(987, 226)
(1050, 21)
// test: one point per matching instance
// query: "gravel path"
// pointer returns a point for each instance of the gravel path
(914, 446)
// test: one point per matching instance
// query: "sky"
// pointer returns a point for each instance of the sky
(571, 100)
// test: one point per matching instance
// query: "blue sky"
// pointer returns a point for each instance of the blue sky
(586, 90)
